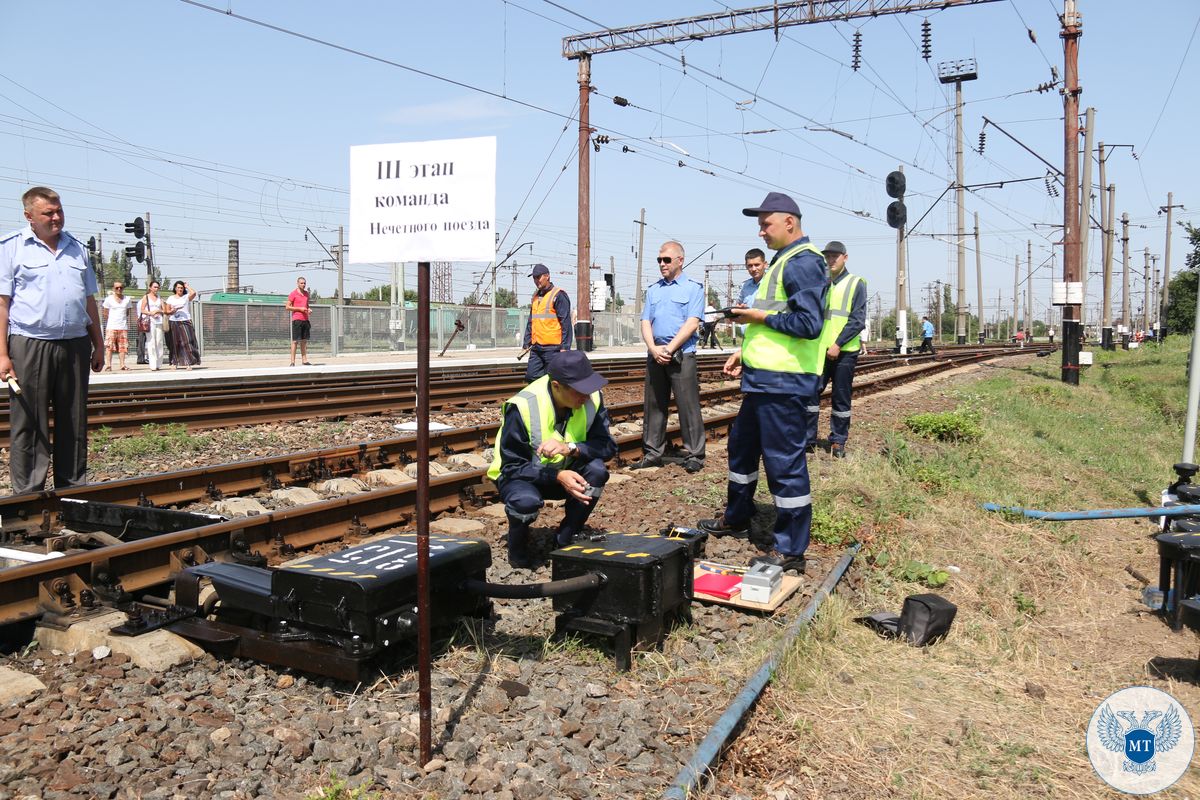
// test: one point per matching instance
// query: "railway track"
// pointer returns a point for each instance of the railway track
(143, 564)
(222, 403)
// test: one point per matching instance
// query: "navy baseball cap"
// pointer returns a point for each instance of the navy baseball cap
(572, 368)
(775, 201)
(835, 247)
(539, 269)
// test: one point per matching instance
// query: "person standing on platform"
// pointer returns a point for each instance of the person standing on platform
(552, 443)
(548, 329)
(670, 317)
(298, 304)
(845, 318)
(116, 326)
(49, 336)
(780, 365)
(708, 331)
(152, 308)
(185, 350)
(926, 336)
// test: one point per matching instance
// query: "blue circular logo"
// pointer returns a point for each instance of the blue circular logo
(1140, 740)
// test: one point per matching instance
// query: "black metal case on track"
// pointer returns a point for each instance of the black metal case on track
(353, 590)
(647, 577)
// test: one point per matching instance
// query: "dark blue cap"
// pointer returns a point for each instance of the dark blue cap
(572, 368)
(775, 201)
(835, 247)
(539, 269)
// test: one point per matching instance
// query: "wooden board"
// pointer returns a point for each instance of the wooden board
(787, 588)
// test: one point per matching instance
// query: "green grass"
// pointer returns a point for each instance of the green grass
(153, 440)
(339, 789)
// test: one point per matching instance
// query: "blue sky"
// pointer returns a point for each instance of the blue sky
(225, 129)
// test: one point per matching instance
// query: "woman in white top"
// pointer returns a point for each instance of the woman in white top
(185, 352)
(116, 326)
(152, 309)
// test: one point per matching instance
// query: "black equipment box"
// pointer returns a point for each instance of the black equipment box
(647, 576)
(332, 614)
(352, 590)
(1179, 575)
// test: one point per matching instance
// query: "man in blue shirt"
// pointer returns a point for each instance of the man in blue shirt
(926, 336)
(670, 317)
(756, 265)
(49, 333)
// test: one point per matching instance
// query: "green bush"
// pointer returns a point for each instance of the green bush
(946, 426)
(833, 528)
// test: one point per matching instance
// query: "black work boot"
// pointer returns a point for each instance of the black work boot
(518, 545)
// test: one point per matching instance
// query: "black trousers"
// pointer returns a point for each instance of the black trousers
(680, 378)
(52, 372)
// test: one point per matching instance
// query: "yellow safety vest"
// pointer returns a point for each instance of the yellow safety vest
(769, 349)
(837, 313)
(536, 407)
(546, 328)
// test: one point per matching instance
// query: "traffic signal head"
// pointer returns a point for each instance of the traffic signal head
(137, 228)
(137, 252)
(897, 214)
(608, 279)
(895, 184)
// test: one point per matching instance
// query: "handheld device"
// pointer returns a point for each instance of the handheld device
(592, 491)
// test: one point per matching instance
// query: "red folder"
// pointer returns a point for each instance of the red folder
(723, 586)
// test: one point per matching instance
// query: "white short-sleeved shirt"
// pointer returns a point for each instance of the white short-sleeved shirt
(118, 313)
(180, 311)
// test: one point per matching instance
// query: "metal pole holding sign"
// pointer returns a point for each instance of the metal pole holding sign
(424, 637)
(423, 201)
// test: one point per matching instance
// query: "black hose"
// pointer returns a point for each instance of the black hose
(527, 591)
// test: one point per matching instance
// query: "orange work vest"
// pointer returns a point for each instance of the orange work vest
(546, 328)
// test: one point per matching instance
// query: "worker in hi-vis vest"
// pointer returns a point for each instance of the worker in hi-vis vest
(552, 444)
(549, 327)
(845, 318)
(780, 365)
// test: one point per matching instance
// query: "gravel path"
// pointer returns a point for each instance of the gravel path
(515, 714)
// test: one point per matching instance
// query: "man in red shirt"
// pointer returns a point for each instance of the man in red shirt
(297, 303)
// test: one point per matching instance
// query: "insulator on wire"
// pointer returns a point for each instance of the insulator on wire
(856, 58)
(1051, 189)
(982, 141)
(926, 39)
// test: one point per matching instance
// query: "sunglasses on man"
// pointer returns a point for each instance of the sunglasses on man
(665, 259)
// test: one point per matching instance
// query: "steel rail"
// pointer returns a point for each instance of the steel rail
(149, 562)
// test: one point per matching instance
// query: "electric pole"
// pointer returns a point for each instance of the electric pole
(583, 260)
(341, 260)
(1085, 210)
(901, 289)
(1146, 291)
(1126, 317)
(1166, 291)
(1107, 333)
(1028, 290)
(979, 281)
(1071, 32)
(637, 305)
(1012, 329)
(956, 72)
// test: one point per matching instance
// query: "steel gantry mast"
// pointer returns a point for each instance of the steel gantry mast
(778, 15)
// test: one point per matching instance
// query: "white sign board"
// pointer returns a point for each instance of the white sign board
(423, 201)
(1063, 293)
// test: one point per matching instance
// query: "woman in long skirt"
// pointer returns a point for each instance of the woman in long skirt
(185, 352)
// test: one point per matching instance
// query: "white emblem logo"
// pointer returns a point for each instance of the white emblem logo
(1140, 740)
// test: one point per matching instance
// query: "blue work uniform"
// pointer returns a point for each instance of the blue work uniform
(840, 370)
(926, 337)
(772, 424)
(541, 354)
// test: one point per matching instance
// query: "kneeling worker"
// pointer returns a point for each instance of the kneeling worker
(552, 444)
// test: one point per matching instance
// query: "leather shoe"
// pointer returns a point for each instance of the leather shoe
(837, 450)
(693, 465)
(718, 527)
(810, 448)
(646, 463)
(778, 559)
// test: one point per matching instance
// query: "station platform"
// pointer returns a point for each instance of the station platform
(225, 367)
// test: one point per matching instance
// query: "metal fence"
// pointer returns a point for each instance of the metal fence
(253, 328)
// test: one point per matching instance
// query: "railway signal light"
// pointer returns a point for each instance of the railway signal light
(137, 252)
(137, 228)
(894, 185)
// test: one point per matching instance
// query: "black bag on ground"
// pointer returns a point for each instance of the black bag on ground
(925, 619)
